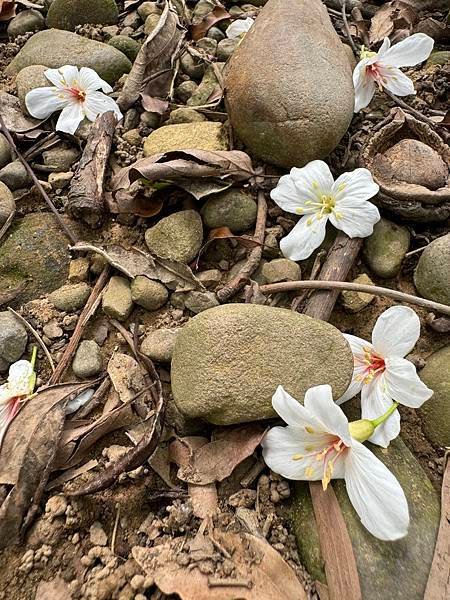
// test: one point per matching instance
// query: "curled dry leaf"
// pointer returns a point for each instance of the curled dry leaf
(391, 17)
(200, 29)
(133, 262)
(7, 10)
(12, 114)
(154, 67)
(261, 571)
(224, 233)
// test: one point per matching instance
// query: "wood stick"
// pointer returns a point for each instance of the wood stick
(254, 257)
(347, 29)
(367, 9)
(85, 200)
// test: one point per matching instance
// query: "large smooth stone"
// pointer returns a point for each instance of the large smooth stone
(435, 412)
(67, 14)
(229, 360)
(432, 274)
(386, 569)
(289, 88)
(55, 48)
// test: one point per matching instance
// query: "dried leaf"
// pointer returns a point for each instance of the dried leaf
(153, 69)
(264, 574)
(7, 10)
(134, 262)
(391, 16)
(218, 459)
(13, 116)
(224, 233)
(127, 376)
(71, 474)
(215, 16)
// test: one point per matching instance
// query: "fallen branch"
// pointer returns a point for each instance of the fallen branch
(254, 257)
(85, 200)
(70, 234)
(288, 286)
(410, 109)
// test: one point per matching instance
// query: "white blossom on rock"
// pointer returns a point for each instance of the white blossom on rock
(75, 93)
(319, 444)
(20, 384)
(382, 68)
(239, 28)
(312, 192)
(383, 375)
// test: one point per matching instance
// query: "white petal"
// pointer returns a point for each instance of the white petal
(19, 377)
(357, 346)
(97, 103)
(290, 409)
(409, 52)
(396, 331)
(357, 185)
(320, 404)
(356, 218)
(383, 49)
(403, 384)
(70, 118)
(364, 86)
(238, 27)
(399, 84)
(288, 197)
(90, 81)
(375, 403)
(62, 77)
(306, 236)
(315, 177)
(376, 494)
(42, 102)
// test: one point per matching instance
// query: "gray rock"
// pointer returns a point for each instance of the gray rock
(435, 412)
(97, 535)
(301, 118)
(159, 344)
(216, 34)
(150, 119)
(147, 293)
(356, 301)
(13, 340)
(67, 14)
(29, 79)
(185, 90)
(233, 209)
(386, 569)
(62, 157)
(126, 45)
(88, 360)
(178, 236)
(229, 360)
(208, 45)
(7, 203)
(208, 85)
(52, 330)
(210, 278)
(432, 274)
(15, 176)
(59, 181)
(70, 298)
(55, 48)
(133, 137)
(34, 255)
(225, 48)
(202, 8)
(27, 20)
(281, 269)
(201, 136)
(5, 151)
(185, 115)
(117, 302)
(190, 65)
(148, 8)
(385, 249)
(197, 302)
(151, 22)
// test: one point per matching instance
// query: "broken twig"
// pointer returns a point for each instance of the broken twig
(37, 337)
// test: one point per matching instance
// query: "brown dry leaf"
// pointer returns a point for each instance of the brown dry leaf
(55, 589)
(134, 262)
(7, 10)
(127, 376)
(265, 575)
(199, 172)
(154, 67)
(219, 13)
(218, 459)
(27, 454)
(224, 233)
(71, 474)
(392, 16)
(13, 116)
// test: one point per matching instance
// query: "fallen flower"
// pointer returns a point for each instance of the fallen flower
(383, 375)
(75, 93)
(239, 28)
(320, 444)
(382, 68)
(311, 191)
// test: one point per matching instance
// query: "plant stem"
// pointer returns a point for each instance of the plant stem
(386, 415)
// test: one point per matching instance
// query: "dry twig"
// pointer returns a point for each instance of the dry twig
(37, 337)
(347, 29)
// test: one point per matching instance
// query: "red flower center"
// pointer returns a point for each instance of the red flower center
(79, 95)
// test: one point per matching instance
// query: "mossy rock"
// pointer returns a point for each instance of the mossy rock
(435, 412)
(67, 14)
(386, 569)
(126, 45)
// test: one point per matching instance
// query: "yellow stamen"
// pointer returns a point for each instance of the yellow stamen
(309, 429)
(309, 471)
(298, 457)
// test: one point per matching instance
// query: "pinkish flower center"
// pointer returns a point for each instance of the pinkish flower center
(327, 455)
(374, 365)
(375, 72)
(77, 94)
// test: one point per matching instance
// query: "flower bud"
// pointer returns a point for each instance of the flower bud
(361, 430)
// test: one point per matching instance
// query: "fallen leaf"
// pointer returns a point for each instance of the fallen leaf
(12, 114)
(71, 474)
(262, 572)
(134, 262)
(391, 16)
(224, 233)
(127, 376)
(217, 460)
(154, 67)
(218, 13)
(7, 10)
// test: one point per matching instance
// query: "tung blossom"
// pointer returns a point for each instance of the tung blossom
(20, 384)
(312, 192)
(318, 444)
(382, 68)
(239, 28)
(383, 375)
(75, 93)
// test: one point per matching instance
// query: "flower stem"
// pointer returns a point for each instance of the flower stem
(33, 364)
(33, 356)
(386, 415)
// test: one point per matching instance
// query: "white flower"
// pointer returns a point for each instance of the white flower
(382, 68)
(383, 375)
(238, 28)
(21, 379)
(75, 93)
(317, 444)
(312, 191)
